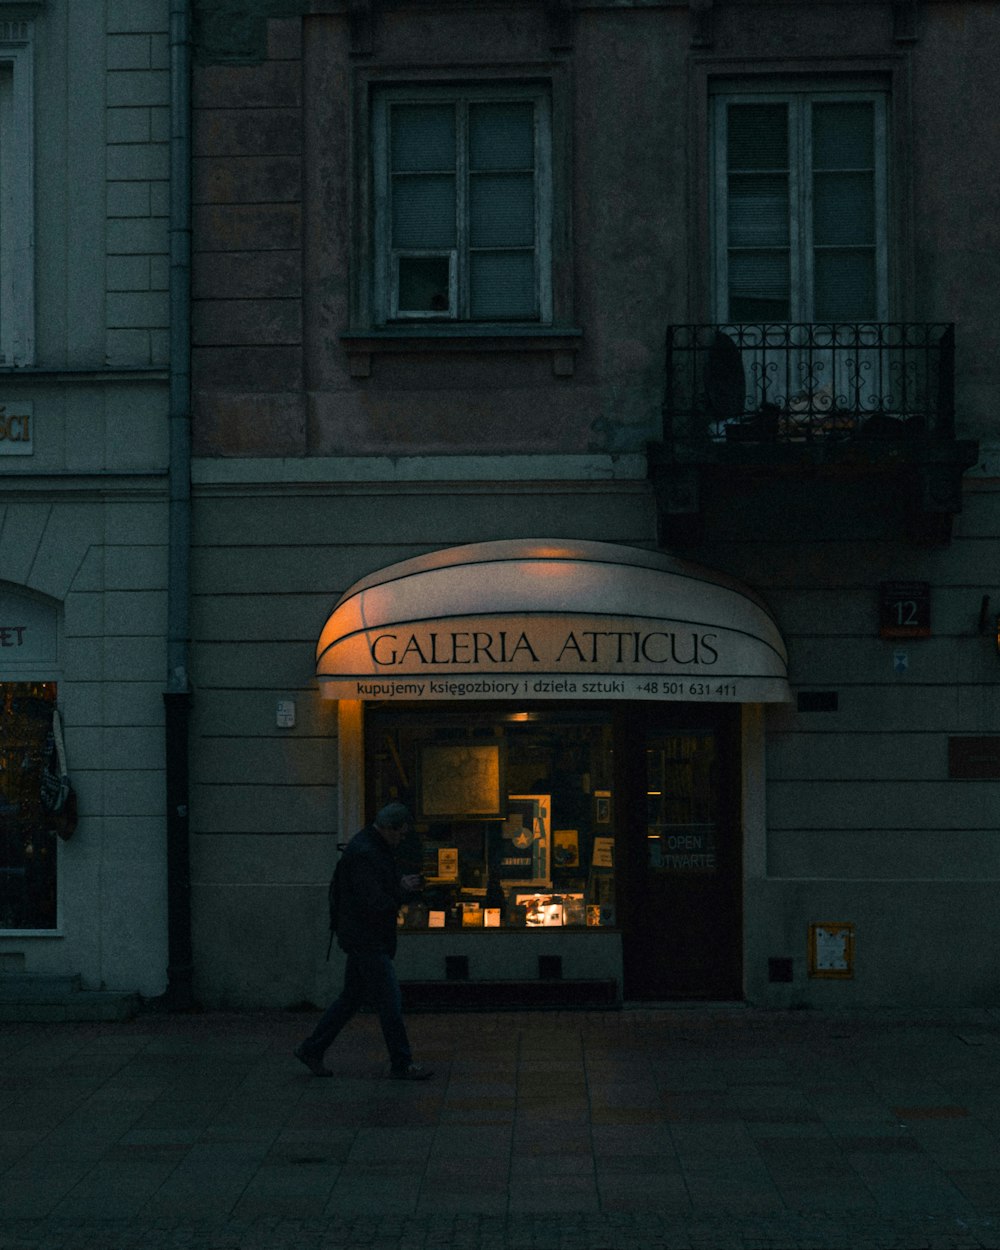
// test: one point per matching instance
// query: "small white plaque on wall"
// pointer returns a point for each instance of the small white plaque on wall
(831, 950)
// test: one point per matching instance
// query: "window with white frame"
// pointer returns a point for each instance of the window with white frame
(800, 206)
(463, 205)
(16, 195)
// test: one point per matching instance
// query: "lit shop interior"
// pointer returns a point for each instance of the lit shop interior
(515, 810)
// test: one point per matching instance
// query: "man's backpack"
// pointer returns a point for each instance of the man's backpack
(333, 897)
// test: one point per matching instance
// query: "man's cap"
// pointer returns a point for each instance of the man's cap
(393, 816)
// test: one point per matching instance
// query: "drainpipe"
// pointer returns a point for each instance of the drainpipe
(177, 696)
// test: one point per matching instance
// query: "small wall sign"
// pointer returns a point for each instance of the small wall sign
(905, 610)
(28, 631)
(831, 950)
(16, 429)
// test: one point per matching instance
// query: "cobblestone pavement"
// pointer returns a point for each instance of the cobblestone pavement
(642, 1129)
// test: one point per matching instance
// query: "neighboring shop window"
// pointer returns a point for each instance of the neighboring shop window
(513, 814)
(27, 844)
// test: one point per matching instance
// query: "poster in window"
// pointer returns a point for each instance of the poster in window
(447, 863)
(526, 834)
(604, 853)
(461, 782)
(566, 848)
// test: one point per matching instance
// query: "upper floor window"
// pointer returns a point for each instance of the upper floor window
(800, 206)
(463, 205)
(16, 231)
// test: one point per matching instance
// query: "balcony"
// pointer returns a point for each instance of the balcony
(830, 398)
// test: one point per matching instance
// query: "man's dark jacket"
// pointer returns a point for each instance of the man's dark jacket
(369, 895)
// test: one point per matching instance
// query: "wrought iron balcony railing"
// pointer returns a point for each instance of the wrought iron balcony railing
(808, 383)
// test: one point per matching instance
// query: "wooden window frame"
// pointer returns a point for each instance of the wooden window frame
(800, 101)
(385, 259)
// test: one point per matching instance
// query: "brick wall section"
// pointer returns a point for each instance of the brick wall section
(138, 167)
(247, 253)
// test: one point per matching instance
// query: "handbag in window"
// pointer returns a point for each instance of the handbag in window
(57, 797)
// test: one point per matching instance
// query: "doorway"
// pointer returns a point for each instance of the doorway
(681, 852)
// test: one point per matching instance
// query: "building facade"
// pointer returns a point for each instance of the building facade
(594, 433)
(84, 381)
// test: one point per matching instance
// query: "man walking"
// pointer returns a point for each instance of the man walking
(369, 893)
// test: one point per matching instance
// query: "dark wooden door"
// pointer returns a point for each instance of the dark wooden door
(681, 888)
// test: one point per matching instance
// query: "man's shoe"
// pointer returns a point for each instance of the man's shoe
(413, 1072)
(315, 1066)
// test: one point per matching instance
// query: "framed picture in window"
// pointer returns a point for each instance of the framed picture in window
(461, 782)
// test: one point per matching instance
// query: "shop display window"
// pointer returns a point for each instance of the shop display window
(512, 814)
(27, 845)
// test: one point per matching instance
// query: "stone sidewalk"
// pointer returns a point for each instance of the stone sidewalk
(642, 1129)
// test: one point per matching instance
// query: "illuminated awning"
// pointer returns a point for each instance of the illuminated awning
(549, 619)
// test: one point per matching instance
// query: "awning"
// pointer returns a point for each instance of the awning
(551, 619)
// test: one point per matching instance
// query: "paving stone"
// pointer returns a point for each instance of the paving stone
(636, 1130)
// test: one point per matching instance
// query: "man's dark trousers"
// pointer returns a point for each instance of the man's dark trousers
(369, 978)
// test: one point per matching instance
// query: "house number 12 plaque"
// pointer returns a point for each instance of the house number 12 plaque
(905, 610)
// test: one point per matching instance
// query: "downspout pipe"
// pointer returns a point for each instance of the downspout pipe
(179, 994)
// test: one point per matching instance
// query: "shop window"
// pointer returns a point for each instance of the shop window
(463, 205)
(27, 845)
(513, 815)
